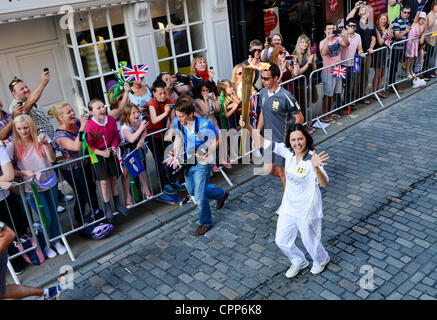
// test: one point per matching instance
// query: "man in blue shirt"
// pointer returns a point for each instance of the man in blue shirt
(200, 140)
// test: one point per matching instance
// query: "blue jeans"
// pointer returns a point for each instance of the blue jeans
(49, 199)
(196, 181)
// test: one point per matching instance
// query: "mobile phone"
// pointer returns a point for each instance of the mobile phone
(336, 32)
(46, 69)
(251, 53)
(210, 68)
(269, 40)
(20, 103)
(290, 57)
(171, 106)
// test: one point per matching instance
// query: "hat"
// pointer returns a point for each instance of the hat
(422, 15)
(13, 83)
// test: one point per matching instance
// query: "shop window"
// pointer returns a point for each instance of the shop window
(96, 45)
(178, 32)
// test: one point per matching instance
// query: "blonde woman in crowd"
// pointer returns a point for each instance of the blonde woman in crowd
(33, 153)
(200, 71)
(68, 140)
(304, 64)
(278, 57)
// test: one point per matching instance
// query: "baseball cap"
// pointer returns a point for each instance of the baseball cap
(13, 83)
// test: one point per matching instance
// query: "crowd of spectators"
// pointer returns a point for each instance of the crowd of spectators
(31, 142)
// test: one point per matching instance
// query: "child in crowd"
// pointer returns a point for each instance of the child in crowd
(207, 107)
(416, 37)
(229, 103)
(32, 154)
(117, 104)
(161, 115)
(104, 142)
(133, 132)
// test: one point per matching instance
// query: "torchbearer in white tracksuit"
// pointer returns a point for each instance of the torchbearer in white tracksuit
(301, 207)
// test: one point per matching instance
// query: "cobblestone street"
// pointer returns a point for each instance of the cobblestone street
(379, 228)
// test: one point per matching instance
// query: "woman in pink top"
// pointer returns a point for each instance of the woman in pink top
(103, 138)
(412, 46)
(32, 154)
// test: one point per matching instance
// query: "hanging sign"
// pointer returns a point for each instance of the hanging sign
(271, 21)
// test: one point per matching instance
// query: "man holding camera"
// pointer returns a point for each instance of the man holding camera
(330, 49)
(254, 59)
(199, 139)
(401, 28)
(27, 100)
(349, 53)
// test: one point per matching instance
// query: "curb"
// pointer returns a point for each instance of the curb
(151, 226)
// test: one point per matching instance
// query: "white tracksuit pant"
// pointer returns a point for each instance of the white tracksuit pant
(311, 234)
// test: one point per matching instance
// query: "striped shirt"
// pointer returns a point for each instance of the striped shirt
(400, 25)
(91, 61)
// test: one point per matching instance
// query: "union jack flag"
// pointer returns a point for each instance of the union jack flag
(135, 73)
(388, 41)
(339, 72)
(169, 161)
(120, 159)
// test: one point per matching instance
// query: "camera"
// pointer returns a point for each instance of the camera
(171, 106)
(363, 3)
(336, 32)
(182, 78)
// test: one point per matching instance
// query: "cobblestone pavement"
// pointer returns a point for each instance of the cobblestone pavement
(380, 224)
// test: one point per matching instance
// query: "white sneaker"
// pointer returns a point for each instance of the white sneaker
(60, 248)
(60, 209)
(294, 270)
(49, 252)
(68, 197)
(317, 269)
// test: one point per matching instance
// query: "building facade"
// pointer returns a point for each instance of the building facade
(83, 41)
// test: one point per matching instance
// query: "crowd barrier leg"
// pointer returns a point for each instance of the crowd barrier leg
(12, 272)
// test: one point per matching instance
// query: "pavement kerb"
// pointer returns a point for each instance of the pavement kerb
(124, 239)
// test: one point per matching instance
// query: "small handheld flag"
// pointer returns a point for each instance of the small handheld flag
(133, 164)
(135, 73)
(339, 72)
(388, 41)
(357, 63)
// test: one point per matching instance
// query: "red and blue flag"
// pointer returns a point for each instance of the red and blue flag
(135, 73)
(339, 72)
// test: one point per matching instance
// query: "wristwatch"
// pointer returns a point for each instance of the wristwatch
(3, 226)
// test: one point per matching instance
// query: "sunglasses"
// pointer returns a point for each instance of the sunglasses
(282, 52)
(256, 50)
(266, 78)
(406, 12)
(352, 25)
(240, 73)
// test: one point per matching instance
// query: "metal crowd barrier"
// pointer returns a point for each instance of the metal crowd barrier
(397, 73)
(67, 225)
(355, 86)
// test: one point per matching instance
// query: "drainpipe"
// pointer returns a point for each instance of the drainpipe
(243, 25)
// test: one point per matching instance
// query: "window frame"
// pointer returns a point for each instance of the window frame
(186, 26)
(75, 46)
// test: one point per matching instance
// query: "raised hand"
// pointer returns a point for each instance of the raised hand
(319, 159)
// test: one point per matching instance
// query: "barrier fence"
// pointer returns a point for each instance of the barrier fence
(340, 93)
(400, 62)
